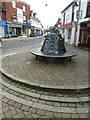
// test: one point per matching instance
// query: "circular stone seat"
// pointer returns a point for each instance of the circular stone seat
(53, 47)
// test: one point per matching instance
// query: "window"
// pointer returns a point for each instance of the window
(24, 19)
(72, 13)
(88, 10)
(14, 17)
(13, 4)
(69, 33)
(23, 8)
(64, 19)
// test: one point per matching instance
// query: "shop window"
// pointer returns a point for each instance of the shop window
(69, 33)
(13, 4)
(24, 9)
(14, 17)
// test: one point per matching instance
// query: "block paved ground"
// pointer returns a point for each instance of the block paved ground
(25, 101)
(42, 73)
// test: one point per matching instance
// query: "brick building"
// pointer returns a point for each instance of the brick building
(16, 17)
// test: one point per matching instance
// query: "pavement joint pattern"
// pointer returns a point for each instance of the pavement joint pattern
(21, 100)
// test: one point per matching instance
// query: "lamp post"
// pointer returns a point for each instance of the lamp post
(78, 16)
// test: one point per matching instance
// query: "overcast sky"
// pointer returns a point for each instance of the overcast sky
(48, 11)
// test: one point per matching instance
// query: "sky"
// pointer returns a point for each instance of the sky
(48, 14)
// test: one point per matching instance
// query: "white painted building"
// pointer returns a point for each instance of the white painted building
(68, 22)
(76, 23)
(35, 24)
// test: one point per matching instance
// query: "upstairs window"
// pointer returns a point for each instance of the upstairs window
(24, 19)
(88, 10)
(13, 4)
(24, 9)
(69, 33)
(14, 17)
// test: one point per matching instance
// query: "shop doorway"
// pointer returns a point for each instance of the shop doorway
(18, 31)
(84, 38)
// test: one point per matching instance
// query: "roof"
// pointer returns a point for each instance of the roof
(68, 6)
(34, 18)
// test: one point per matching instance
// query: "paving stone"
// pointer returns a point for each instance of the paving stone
(42, 101)
(19, 115)
(18, 105)
(34, 99)
(25, 108)
(84, 115)
(4, 104)
(28, 98)
(33, 110)
(5, 99)
(49, 103)
(66, 115)
(57, 104)
(5, 109)
(18, 110)
(26, 113)
(16, 93)
(11, 91)
(3, 115)
(10, 113)
(49, 114)
(57, 115)
(6, 89)
(64, 104)
(71, 105)
(40, 112)
(74, 116)
(11, 102)
(21, 96)
(35, 116)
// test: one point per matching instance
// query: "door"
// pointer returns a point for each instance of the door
(84, 38)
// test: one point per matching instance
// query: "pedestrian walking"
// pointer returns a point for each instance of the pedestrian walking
(1, 42)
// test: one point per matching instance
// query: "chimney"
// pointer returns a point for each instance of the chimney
(31, 13)
(34, 14)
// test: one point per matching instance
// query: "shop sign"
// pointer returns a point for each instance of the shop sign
(15, 25)
(20, 15)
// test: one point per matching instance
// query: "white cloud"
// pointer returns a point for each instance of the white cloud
(50, 13)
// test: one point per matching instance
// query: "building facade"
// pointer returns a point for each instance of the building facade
(83, 27)
(2, 20)
(69, 20)
(16, 17)
(36, 26)
(76, 23)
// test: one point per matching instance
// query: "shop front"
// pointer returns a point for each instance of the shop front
(69, 32)
(14, 29)
(38, 31)
(3, 29)
(84, 37)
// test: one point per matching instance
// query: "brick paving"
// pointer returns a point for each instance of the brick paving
(22, 101)
(65, 75)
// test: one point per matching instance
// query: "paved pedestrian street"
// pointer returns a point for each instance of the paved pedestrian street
(45, 89)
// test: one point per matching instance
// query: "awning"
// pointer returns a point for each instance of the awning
(67, 25)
